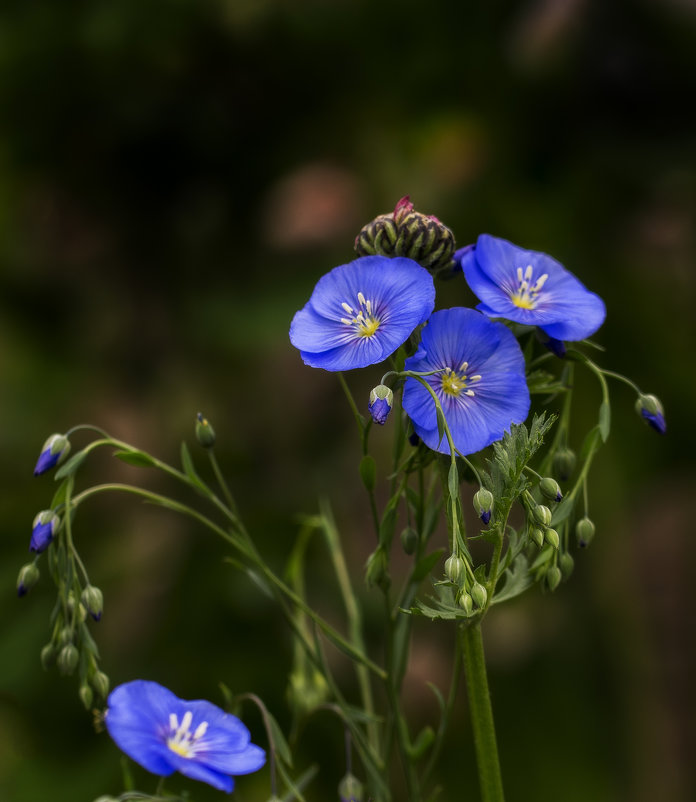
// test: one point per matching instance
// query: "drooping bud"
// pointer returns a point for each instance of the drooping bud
(100, 683)
(350, 789)
(564, 463)
(54, 450)
(553, 577)
(409, 540)
(205, 434)
(550, 489)
(479, 594)
(44, 528)
(650, 409)
(93, 601)
(455, 569)
(86, 696)
(537, 535)
(377, 569)
(48, 656)
(566, 564)
(68, 658)
(551, 537)
(466, 603)
(483, 504)
(406, 232)
(542, 514)
(584, 532)
(381, 400)
(28, 576)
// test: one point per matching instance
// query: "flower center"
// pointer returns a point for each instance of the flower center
(525, 296)
(455, 382)
(181, 740)
(363, 320)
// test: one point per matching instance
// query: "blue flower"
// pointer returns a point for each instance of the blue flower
(480, 382)
(165, 734)
(54, 450)
(531, 288)
(43, 529)
(360, 313)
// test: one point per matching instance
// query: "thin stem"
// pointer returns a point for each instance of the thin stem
(221, 481)
(482, 716)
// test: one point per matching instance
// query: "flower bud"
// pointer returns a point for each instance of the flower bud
(553, 577)
(409, 540)
(550, 489)
(566, 564)
(455, 569)
(27, 578)
(68, 658)
(479, 594)
(551, 537)
(537, 535)
(584, 532)
(350, 789)
(650, 409)
(466, 603)
(48, 656)
(377, 569)
(65, 636)
(483, 504)
(93, 600)
(86, 695)
(381, 400)
(542, 514)
(44, 528)
(100, 683)
(205, 434)
(564, 463)
(54, 450)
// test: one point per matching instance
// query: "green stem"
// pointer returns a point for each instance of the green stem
(482, 716)
(221, 481)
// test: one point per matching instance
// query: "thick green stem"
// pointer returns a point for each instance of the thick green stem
(482, 716)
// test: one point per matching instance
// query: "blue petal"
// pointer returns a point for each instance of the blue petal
(199, 771)
(46, 461)
(380, 410)
(41, 536)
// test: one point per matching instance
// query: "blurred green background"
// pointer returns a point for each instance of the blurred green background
(174, 177)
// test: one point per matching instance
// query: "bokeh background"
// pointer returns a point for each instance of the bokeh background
(174, 177)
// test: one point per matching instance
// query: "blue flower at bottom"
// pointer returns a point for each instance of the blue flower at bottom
(530, 287)
(481, 381)
(361, 312)
(165, 734)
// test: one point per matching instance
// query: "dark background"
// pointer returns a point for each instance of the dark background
(174, 178)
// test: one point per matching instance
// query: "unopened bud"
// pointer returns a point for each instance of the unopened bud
(650, 409)
(479, 594)
(566, 564)
(553, 577)
(551, 537)
(377, 569)
(466, 602)
(28, 576)
(54, 450)
(45, 525)
(455, 569)
(542, 514)
(65, 636)
(550, 489)
(86, 695)
(205, 434)
(564, 461)
(68, 658)
(93, 601)
(409, 540)
(350, 789)
(48, 656)
(100, 683)
(483, 504)
(584, 532)
(537, 535)
(381, 401)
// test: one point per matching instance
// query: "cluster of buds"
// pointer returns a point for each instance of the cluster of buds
(406, 232)
(469, 594)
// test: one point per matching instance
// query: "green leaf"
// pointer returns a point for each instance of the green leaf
(517, 580)
(441, 426)
(589, 443)
(423, 742)
(542, 558)
(368, 471)
(135, 457)
(453, 481)
(59, 495)
(68, 468)
(426, 565)
(604, 419)
(562, 511)
(189, 470)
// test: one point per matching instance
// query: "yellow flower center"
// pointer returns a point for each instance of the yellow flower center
(456, 382)
(181, 740)
(363, 319)
(526, 294)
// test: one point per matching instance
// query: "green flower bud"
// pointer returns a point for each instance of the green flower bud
(479, 594)
(409, 540)
(65, 636)
(564, 461)
(537, 535)
(86, 696)
(551, 537)
(68, 658)
(455, 569)
(93, 601)
(48, 656)
(584, 532)
(307, 689)
(550, 489)
(553, 577)
(378, 237)
(350, 789)
(650, 409)
(205, 434)
(542, 515)
(381, 401)
(100, 683)
(566, 563)
(483, 504)
(466, 602)
(377, 569)
(26, 579)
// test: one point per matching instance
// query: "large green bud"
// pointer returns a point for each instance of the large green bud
(406, 232)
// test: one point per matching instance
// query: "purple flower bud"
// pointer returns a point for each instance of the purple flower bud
(54, 450)
(44, 528)
(650, 409)
(381, 400)
(483, 504)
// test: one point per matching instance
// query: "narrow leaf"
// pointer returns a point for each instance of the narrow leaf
(368, 471)
(189, 470)
(453, 481)
(71, 465)
(604, 419)
(135, 457)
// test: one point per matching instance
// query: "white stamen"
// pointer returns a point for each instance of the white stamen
(201, 730)
(347, 307)
(173, 721)
(464, 367)
(528, 273)
(469, 392)
(519, 274)
(540, 283)
(361, 299)
(476, 378)
(346, 321)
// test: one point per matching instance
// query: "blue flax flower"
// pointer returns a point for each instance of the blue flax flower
(480, 382)
(361, 312)
(43, 529)
(54, 450)
(165, 734)
(531, 288)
